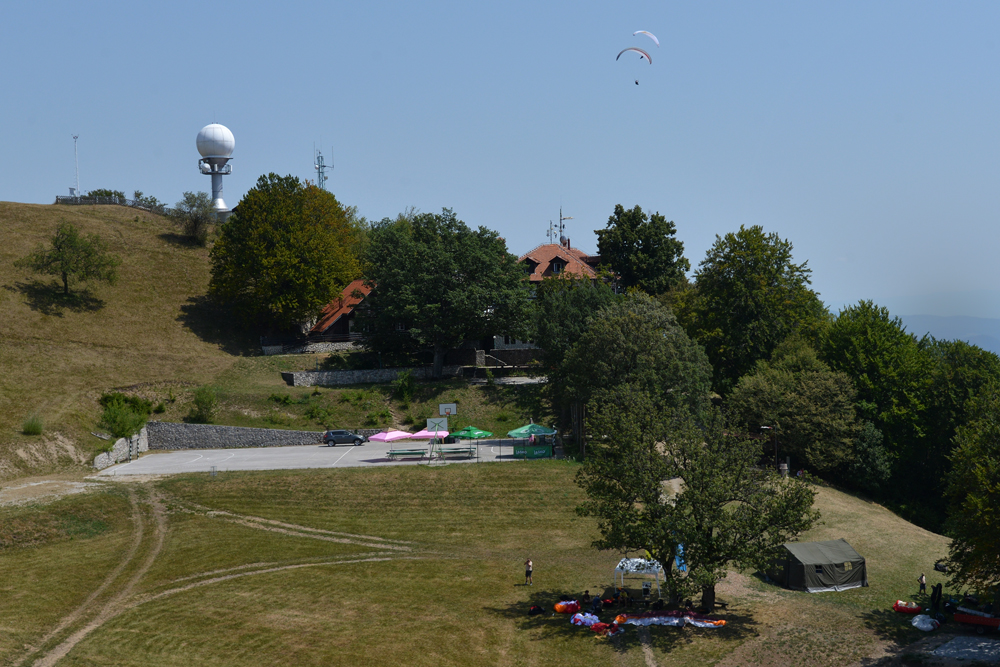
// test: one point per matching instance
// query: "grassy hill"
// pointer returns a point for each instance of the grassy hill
(57, 355)
(410, 565)
(154, 334)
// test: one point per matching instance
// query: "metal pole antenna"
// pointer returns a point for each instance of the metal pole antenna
(562, 227)
(76, 159)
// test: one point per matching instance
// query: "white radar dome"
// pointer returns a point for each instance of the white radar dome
(216, 141)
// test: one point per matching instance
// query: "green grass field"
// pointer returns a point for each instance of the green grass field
(403, 565)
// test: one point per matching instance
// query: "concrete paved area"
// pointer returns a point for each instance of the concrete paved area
(284, 458)
(971, 648)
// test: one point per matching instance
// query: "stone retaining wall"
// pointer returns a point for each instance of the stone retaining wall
(124, 449)
(310, 348)
(169, 435)
(374, 376)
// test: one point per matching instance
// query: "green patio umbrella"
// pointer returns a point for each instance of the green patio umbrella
(530, 429)
(471, 433)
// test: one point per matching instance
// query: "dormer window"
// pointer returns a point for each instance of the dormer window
(557, 267)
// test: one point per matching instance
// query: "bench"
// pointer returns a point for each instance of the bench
(404, 453)
(469, 451)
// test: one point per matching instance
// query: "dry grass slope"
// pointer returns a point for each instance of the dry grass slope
(58, 355)
(414, 565)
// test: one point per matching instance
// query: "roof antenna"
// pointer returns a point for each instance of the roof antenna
(76, 158)
(563, 241)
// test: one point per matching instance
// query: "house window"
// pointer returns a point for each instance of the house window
(506, 340)
(557, 268)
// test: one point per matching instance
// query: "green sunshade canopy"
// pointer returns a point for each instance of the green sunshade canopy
(530, 429)
(471, 433)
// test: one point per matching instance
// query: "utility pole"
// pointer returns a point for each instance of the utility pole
(76, 159)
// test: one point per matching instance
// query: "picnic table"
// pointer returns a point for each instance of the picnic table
(468, 450)
(407, 453)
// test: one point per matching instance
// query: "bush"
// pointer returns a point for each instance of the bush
(151, 204)
(378, 417)
(160, 408)
(503, 416)
(121, 418)
(205, 403)
(194, 215)
(134, 403)
(32, 425)
(277, 419)
(404, 386)
(319, 414)
(281, 399)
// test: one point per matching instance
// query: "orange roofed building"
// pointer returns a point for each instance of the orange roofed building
(337, 318)
(557, 259)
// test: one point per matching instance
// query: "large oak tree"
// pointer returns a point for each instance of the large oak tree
(642, 250)
(436, 283)
(660, 479)
(283, 254)
(749, 296)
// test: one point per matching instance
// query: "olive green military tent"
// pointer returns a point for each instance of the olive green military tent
(818, 567)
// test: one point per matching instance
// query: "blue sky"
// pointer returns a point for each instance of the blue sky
(866, 133)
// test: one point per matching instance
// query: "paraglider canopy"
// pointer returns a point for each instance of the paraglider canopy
(642, 54)
(648, 34)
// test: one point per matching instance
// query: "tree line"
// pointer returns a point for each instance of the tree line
(715, 375)
(743, 355)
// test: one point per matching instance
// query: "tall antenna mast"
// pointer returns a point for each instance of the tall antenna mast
(321, 168)
(76, 159)
(551, 233)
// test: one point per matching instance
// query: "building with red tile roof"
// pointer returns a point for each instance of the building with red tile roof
(555, 259)
(337, 317)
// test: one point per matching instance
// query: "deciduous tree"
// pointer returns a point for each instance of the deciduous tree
(889, 371)
(811, 406)
(73, 256)
(437, 283)
(749, 297)
(283, 254)
(563, 307)
(637, 341)
(194, 215)
(642, 250)
(974, 495)
(724, 509)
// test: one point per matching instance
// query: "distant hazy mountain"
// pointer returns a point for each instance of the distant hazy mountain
(981, 331)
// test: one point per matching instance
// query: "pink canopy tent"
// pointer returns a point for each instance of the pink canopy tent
(389, 436)
(426, 435)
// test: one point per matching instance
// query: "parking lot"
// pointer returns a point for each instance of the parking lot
(287, 458)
